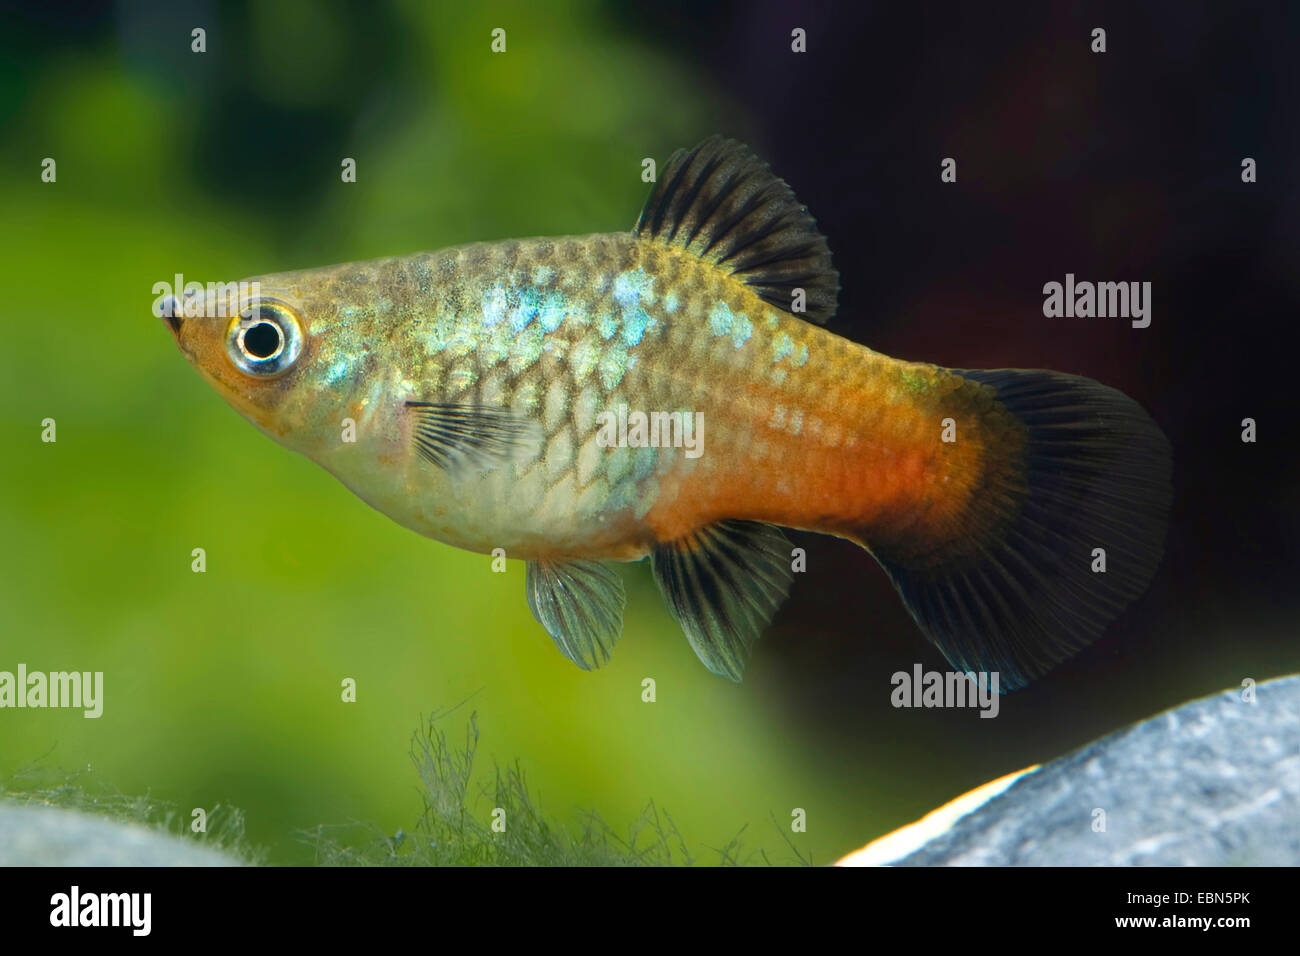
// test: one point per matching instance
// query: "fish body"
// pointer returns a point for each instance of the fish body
(796, 420)
(492, 394)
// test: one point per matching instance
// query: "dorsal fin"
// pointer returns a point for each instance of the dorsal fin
(724, 204)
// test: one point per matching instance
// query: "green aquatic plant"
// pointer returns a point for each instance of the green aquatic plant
(464, 821)
(499, 823)
(86, 792)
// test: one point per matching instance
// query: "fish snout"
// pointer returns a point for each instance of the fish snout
(171, 312)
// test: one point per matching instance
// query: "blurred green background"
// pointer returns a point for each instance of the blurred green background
(224, 687)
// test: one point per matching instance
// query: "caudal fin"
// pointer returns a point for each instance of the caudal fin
(1026, 590)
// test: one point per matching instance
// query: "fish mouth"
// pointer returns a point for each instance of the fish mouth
(170, 313)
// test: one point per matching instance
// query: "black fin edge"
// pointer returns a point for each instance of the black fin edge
(1098, 472)
(722, 203)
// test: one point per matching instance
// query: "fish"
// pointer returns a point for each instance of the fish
(673, 393)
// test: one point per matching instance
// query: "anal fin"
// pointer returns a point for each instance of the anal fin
(724, 583)
(580, 603)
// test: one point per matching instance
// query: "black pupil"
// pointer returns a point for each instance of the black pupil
(261, 340)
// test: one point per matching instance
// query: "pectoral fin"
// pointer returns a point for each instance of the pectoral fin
(724, 583)
(580, 603)
(471, 437)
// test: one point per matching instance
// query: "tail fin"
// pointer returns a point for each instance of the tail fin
(1022, 595)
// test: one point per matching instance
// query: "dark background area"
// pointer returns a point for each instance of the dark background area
(1117, 166)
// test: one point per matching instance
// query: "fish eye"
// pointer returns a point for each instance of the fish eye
(265, 340)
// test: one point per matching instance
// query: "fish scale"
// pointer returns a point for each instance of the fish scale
(476, 384)
(608, 349)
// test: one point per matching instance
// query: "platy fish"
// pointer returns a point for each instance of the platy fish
(670, 392)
